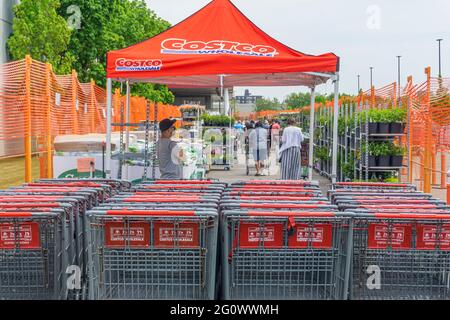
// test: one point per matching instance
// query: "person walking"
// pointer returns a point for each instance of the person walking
(168, 152)
(258, 144)
(275, 134)
(290, 152)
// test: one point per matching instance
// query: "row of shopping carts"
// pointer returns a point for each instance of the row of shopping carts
(401, 241)
(257, 239)
(43, 236)
(158, 241)
(282, 240)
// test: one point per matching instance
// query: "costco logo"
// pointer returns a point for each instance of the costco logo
(123, 64)
(182, 46)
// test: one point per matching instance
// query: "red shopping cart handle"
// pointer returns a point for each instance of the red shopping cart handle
(127, 212)
(184, 182)
(67, 184)
(393, 201)
(372, 184)
(281, 198)
(291, 214)
(169, 193)
(22, 198)
(425, 216)
(277, 182)
(398, 206)
(162, 186)
(64, 189)
(29, 205)
(159, 199)
(15, 214)
(279, 205)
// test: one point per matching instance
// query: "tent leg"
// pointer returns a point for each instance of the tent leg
(335, 128)
(108, 128)
(227, 111)
(311, 134)
(127, 128)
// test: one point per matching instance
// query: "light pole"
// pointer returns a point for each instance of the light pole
(439, 44)
(371, 80)
(359, 88)
(398, 83)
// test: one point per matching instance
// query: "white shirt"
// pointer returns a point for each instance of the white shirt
(258, 138)
(292, 137)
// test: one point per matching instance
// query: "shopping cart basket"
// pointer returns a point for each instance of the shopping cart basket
(152, 254)
(401, 256)
(285, 255)
(33, 255)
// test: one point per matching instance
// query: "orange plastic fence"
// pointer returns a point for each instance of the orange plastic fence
(429, 131)
(36, 105)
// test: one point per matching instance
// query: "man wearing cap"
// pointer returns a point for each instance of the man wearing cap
(169, 154)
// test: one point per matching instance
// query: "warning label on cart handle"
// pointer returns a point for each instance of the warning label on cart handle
(24, 236)
(382, 236)
(184, 234)
(430, 237)
(257, 234)
(316, 236)
(136, 234)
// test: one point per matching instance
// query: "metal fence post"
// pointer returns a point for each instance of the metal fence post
(28, 63)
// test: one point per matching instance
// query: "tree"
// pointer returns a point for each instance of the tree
(267, 104)
(299, 100)
(110, 25)
(39, 31)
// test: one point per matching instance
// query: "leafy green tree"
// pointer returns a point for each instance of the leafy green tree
(110, 25)
(39, 31)
(268, 104)
(297, 100)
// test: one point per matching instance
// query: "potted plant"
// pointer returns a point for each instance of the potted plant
(373, 118)
(382, 151)
(397, 120)
(397, 153)
(372, 159)
(383, 116)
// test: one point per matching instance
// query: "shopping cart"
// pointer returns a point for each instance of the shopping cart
(400, 256)
(152, 254)
(56, 241)
(285, 255)
(33, 255)
(250, 162)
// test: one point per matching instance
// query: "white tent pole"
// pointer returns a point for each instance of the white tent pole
(127, 128)
(127, 116)
(226, 99)
(311, 133)
(108, 127)
(221, 92)
(335, 128)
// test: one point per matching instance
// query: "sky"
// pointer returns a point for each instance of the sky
(363, 33)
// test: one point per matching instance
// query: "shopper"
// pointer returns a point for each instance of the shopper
(289, 153)
(168, 152)
(258, 144)
(275, 134)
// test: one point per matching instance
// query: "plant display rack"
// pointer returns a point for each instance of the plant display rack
(147, 158)
(355, 139)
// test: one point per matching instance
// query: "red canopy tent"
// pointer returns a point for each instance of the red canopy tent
(218, 46)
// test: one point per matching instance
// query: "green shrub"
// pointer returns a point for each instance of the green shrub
(217, 121)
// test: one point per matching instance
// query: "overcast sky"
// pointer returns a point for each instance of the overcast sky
(362, 33)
